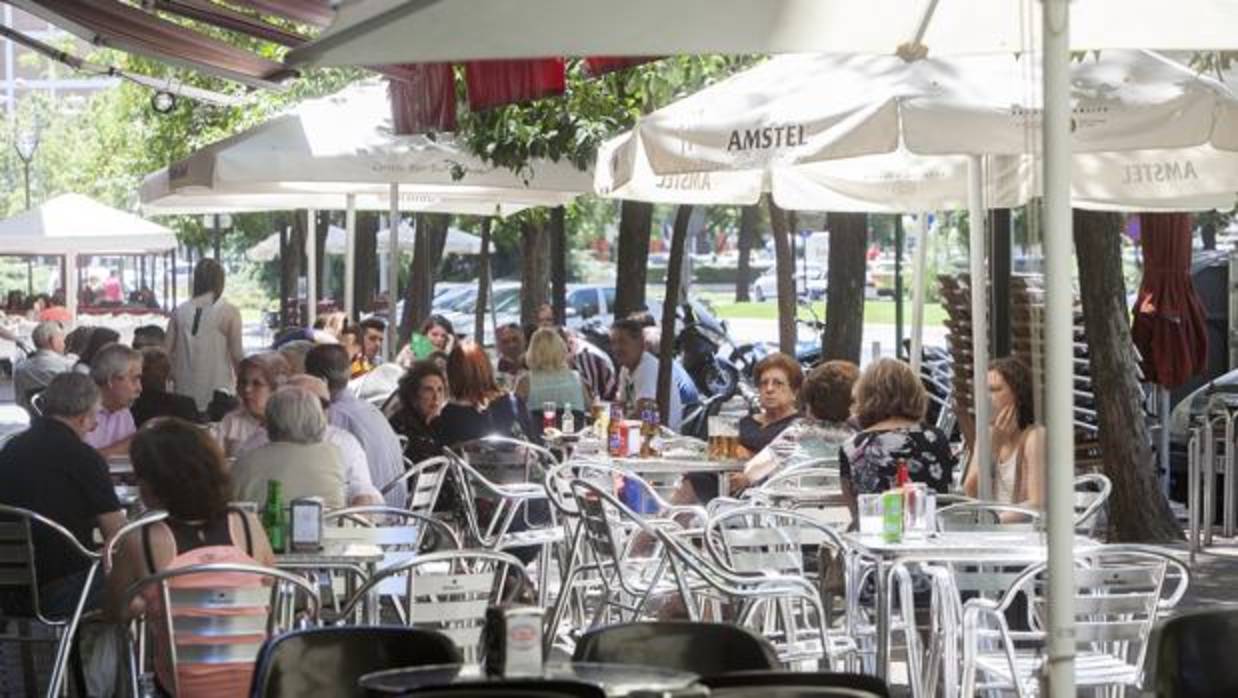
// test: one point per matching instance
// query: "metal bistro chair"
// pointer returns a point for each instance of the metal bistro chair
(756, 540)
(18, 575)
(579, 566)
(987, 516)
(424, 482)
(524, 502)
(450, 592)
(205, 623)
(401, 534)
(1091, 495)
(1120, 592)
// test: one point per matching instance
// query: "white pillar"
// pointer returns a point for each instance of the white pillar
(350, 257)
(979, 323)
(393, 270)
(311, 268)
(70, 286)
(1059, 336)
(919, 264)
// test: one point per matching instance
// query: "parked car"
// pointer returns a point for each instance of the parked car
(812, 286)
(590, 302)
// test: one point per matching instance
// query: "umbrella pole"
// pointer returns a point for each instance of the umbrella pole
(311, 267)
(393, 269)
(350, 257)
(917, 291)
(979, 326)
(70, 289)
(1059, 352)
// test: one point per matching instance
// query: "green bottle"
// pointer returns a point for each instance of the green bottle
(274, 518)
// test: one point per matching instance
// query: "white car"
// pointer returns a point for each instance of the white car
(766, 286)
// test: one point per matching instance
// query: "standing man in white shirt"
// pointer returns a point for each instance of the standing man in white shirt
(37, 370)
(638, 370)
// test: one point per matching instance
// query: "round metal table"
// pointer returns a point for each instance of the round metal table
(615, 679)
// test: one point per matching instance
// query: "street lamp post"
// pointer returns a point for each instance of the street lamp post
(26, 143)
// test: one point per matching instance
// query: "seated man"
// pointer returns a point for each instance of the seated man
(50, 471)
(117, 370)
(638, 370)
(33, 374)
(149, 336)
(155, 400)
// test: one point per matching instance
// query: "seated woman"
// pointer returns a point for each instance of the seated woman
(778, 378)
(550, 377)
(478, 407)
(826, 397)
(889, 407)
(1018, 442)
(296, 456)
(180, 469)
(256, 378)
(421, 396)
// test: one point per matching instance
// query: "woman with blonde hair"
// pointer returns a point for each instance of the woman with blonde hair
(550, 377)
(889, 408)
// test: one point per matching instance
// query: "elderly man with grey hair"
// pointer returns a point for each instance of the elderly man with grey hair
(117, 370)
(36, 371)
(297, 457)
(48, 470)
(363, 420)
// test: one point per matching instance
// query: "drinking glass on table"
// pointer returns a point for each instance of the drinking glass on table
(869, 507)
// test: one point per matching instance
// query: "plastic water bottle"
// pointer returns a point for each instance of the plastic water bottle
(569, 419)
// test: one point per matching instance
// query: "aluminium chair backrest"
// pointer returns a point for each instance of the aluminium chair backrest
(21, 532)
(450, 591)
(209, 621)
(1119, 594)
(1091, 495)
(424, 482)
(331, 661)
(400, 534)
(758, 539)
(986, 516)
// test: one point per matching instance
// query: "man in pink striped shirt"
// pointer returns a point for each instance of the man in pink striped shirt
(117, 370)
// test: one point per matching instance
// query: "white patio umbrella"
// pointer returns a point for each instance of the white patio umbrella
(343, 146)
(458, 241)
(381, 32)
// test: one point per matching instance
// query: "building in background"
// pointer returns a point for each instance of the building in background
(23, 71)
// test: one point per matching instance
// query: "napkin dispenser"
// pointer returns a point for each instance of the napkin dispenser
(305, 524)
(512, 641)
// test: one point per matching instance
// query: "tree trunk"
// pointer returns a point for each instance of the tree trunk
(558, 264)
(534, 269)
(674, 278)
(366, 279)
(290, 266)
(1138, 511)
(635, 219)
(844, 297)
(748, 238)
(784, 263)
(431, 231)
(483, 281)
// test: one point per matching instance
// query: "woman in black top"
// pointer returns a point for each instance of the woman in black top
(778, 378)
(890, 403)
(478, 407)
(422, 394)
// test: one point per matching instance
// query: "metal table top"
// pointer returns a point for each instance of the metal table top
(332, 555)
(615, 679)
(960, 546)
(678, 465)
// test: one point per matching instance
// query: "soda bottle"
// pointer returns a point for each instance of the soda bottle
(274, 518)
(617, 443)
(548, 416)
(569, 419)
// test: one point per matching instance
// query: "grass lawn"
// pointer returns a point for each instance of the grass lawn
(878, 312)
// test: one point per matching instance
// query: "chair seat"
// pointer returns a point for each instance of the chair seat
(533, 536)
(1091, 668)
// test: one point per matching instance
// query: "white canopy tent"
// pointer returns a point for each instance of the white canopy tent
(70, 225)
(382, 32)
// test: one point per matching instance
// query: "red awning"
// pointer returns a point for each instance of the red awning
(1168, 328)
(317, 13)
(496, 83)
(423, 97)
(123, 27)
(598, 66)
(227, 18)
